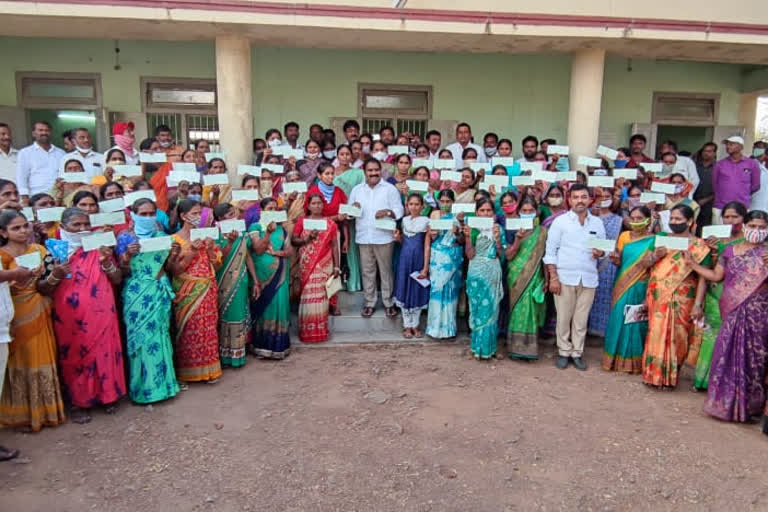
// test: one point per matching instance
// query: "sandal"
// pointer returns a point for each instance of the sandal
(336, 311)
(79, 416)
(408, 333)
(110, 409)
(417, 333)
(212, 381)
(8, 454)
(183, 386)
(391, 311)
(367, 312)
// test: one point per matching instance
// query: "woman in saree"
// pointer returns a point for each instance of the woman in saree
(86, 323)
(319, 259)
(195, 306)
(445, 262)
(553, 205)
(251, 210)
(483, 249)
(526, 282)
(346, 181)
(401, 174)
(734, 214)
(64, 192)
(296, 205)
(333, 197)
(601, 307)
(507, 209)
(465, 191)
(214, 195)
(673, 289)
(31, 396)
(680, 197)
(271, 255)
(42, 231)
(623, 348)
(237, 284)
(159, 180)
(736, 389)
(147, 297)
(307, 167)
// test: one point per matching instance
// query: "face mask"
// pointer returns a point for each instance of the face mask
(679, 188)
(165, 144)
(366, 149)
(509, 208)
(275, 143)
(620, 164)
(195, 221)
(639, 226)
(606, 204)
(600, 172)
(380, 156)
(755, 235)
(265, 188)
(445, 207)
(330, 154)
(667, 168)
(633, 202)
(196, 197)
(678, 228)
(527, 215)
(758, 152)
(75, 240)
(490, 151)
(555, 201)
(83, 150)
(311, 156)
(562, 165)
(144, 227)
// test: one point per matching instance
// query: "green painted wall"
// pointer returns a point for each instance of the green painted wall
(513, 95)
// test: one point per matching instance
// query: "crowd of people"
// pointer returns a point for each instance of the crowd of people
(141, 270)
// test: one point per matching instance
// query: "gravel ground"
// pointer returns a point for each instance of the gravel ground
(393, 428)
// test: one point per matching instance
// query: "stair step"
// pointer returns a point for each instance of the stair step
(350, 339)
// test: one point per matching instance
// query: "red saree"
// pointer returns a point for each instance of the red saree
(197, 316)
(88, 334)
(316, 262)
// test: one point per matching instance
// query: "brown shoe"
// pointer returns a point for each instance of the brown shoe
(367, 312)
(391, 311)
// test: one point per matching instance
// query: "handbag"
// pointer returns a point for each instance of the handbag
(332, 285)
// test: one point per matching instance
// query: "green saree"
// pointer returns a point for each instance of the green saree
(233, 282)
(347, 181)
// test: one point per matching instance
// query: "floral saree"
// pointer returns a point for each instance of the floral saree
(484, 291)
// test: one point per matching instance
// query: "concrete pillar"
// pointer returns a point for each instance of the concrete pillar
(235, 100)
(585, 101)
(747, 118)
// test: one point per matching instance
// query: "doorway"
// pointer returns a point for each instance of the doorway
(62, 121)
(688, 138)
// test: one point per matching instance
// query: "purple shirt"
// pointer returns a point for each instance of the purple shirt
(735, 181)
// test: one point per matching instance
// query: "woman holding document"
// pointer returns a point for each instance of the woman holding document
(237, 286)
(317, 238)
(737, 379)
(483, 249)
(195, 306)
(527, 284)
(32, 395)
(271, 255)
(626, 330)
(86, 323)
(147, 297)
(445, 262)
(674, 291)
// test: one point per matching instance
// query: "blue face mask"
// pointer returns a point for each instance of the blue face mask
(527, 215)
(620, 164)
(195, 197)
(562, 165)
(144, 227)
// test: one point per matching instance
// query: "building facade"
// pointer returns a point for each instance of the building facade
(227, 71)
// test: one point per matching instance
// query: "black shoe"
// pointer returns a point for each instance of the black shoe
(561, 362)
(579, 364)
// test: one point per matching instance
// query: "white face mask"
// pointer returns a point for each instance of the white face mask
(165, 144)
(380, 156)
(275, 143)
(606, 204)
(311, 156)
(329, 154)
(490, 151)
(75, 240)
(366, 149)
(83, 150)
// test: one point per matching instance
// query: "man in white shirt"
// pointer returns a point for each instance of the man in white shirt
(91, 160)
(433, 140)
(464, 141)
(684, 165)
(759, 200)
(38, 165)
(291, 131)
(8, 154)
(572, 269)
(378, 200)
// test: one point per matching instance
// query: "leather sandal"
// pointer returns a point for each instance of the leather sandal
(367, 312)
(391, 311)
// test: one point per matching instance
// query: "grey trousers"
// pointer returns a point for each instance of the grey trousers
(572, 306)
(371, 257)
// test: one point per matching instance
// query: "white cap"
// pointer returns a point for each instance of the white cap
(734, 138)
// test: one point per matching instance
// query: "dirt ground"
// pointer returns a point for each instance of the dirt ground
(391, 428)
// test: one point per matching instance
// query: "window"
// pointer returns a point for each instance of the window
(188, 107)
(404, 107)
(687, 109)
(59, 90)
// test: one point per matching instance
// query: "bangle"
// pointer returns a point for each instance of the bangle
(109, 270)
(52, 280)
